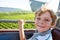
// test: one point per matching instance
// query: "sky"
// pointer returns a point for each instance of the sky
(24, 4)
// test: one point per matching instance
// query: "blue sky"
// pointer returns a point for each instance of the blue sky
(24, 4)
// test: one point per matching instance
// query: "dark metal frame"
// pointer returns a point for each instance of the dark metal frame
(27, 21)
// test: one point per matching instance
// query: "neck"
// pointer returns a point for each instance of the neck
(44, 33)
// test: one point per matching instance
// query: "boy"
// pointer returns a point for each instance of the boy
(45, 19)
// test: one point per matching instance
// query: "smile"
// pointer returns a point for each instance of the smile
(41, 26)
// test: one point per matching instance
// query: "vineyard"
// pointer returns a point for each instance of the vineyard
(16, 16)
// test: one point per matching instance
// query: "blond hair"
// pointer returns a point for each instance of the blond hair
(45, 9)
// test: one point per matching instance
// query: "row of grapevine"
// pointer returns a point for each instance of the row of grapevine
(7, 25)
(15, 16)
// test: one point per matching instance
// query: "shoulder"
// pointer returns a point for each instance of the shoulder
(33, 37)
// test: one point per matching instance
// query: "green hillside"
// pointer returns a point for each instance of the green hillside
(15, 16)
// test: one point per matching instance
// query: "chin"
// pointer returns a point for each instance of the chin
(41, 30)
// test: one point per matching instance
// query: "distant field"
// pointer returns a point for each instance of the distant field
(16, 16)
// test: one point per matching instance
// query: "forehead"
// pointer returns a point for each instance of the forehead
(45, 15)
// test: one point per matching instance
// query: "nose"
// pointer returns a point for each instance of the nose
(41, 22)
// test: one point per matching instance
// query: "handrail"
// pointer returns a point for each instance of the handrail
(15, 30)
(27, 21)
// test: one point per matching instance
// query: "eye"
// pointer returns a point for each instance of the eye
(46, 20)
(38, 18)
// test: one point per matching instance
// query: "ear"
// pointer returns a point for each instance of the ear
(53, 25)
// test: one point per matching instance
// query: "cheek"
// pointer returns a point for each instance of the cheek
(37, 21)
(48, 25)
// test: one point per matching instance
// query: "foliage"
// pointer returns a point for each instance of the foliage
(15, 16)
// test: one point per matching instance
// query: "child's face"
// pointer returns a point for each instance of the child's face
(43, 22)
